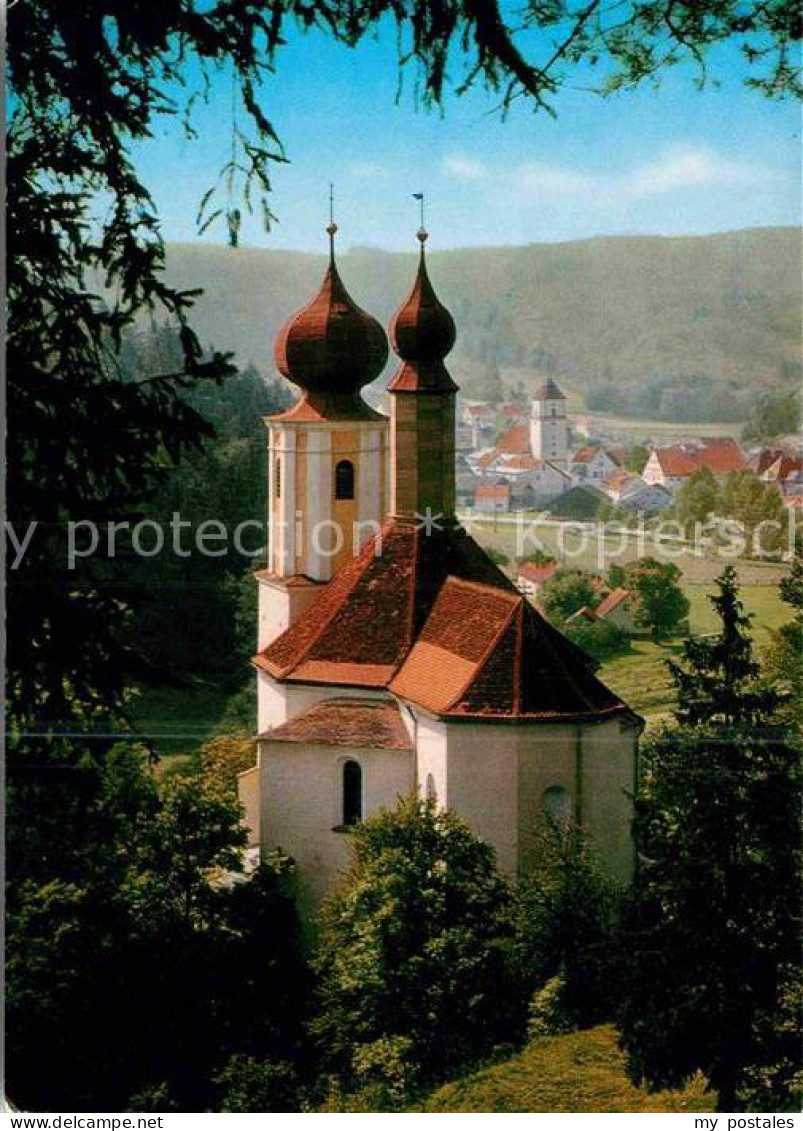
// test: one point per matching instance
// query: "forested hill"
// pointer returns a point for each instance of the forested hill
(618, 309)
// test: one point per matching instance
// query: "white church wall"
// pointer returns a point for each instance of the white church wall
(546, 762)
(431, 763)
(608, 759)
(482, 784)
(301, 803)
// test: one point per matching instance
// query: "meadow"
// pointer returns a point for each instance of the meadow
(582, 1071)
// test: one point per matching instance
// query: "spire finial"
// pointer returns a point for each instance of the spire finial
(331, 227)
(422, 233)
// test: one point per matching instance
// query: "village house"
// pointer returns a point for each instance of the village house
(619, 609)
(628, 490)
(531, 576)
(671, 467)
(492, 498)
(393, 655)
(592, 464)
(785, 473)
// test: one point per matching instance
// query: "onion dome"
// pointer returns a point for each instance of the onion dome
(331, 348)
(423, 332)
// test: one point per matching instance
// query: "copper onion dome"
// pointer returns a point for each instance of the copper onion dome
(331, 348)
(423, 332)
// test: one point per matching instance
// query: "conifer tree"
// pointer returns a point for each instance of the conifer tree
(714, 917)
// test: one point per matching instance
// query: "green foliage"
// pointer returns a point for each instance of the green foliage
(147, 924)
(776, 413)
(661, 604)
(637, 457)
(718, 678)
(417, 944)
(386, 1073)
(548, 1016)
(565, 592)
(498, 557)
(753, 503)
(783, 658)
(713, 927)
(600, 639)
(697, 500)
(250, 1085)
(569, 929)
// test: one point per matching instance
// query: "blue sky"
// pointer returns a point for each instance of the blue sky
(668, 161)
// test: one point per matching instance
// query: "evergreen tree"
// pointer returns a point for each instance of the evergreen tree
(718, 680)
(714, 919)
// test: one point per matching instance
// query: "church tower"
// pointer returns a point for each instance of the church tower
(422, 417)
(327, 454)
(549, 427)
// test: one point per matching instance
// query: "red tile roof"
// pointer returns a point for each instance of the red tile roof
(720, 455)
(500, 491)
(480, 410)
(584, 455)
(485, 653)
(515, 440)
(345, 722)
(612, 601)
(370, 613)
(783, 468)
(675, 462)
(520, 462)
(513, 410)
(433, 615)
(531, 571)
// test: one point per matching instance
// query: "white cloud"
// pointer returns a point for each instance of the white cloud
(465, 168)
(367, 170)
(688, 166)
(673, 169)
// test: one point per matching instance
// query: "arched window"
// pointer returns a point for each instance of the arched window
(556, 805)
(352, 793)
(277, 478)
(430, 790)
(344, 479)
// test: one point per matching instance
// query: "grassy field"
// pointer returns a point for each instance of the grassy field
(589, 550)
(640, 676)
(578, 1072)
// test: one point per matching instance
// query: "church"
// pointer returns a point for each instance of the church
(393, 655)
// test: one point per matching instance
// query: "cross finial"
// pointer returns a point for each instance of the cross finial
(422, 233)
(331, 227)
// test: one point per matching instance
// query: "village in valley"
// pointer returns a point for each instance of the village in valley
(537, 464)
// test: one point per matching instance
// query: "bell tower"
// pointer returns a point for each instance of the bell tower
(327, 454)
(422, 394)
(549, 427)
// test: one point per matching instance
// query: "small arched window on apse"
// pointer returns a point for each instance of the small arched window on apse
(352, 792)
(344, 479)
(277, 478)
(430, 791)
(556, 805)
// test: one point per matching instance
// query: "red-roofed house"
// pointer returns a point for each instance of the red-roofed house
(530, 576)
(618, 608)
(671, 467)
(406, 661)
(591, 464)
(786, 473)
(492, 498)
